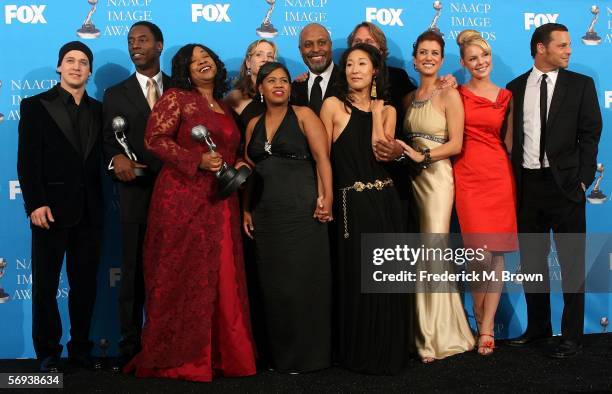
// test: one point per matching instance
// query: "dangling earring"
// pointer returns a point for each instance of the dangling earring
(249, 72)
(189, 82)
(261, 97)
(415, 67)
(373, 91)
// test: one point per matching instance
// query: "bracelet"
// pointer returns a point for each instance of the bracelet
(402, 158)
(427, 160)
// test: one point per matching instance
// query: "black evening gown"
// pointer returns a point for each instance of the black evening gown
(372, 327)
(291, 248)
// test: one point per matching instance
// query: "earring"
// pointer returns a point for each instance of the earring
(189, 82)
(373, 91)
(249, 72)
(415, 67)
(261, 97)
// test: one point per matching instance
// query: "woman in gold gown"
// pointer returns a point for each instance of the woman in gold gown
(434, 126)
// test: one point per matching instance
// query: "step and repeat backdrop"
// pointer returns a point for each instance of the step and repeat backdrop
(32, 31)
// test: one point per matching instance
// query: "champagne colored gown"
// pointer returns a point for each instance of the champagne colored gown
(439, 326)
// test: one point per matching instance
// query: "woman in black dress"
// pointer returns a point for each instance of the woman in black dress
(285, 212)
(372, 327)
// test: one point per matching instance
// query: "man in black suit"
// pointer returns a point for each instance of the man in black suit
(557, 125)
(59, 166)
(133, 99)
(316, 49)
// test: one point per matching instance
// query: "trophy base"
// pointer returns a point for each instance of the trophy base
(591, 38)
(230, 181)
(140, 172)
(266, 31)
(4, 297)
(88, 32)
(596, 200)
(436, 30)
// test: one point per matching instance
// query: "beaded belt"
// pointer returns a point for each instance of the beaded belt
(359, 187)
(435, 138)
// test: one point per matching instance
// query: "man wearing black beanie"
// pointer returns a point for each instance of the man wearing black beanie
(58, 163)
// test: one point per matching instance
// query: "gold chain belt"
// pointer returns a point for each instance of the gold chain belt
(359, 187)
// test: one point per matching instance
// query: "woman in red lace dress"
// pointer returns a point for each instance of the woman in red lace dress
(197, 320)
(484, 185)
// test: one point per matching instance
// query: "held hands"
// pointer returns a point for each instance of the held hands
(247, 224)
(211, 161)
(387, 150)
(41, 217)
(302, 77)
(124, 168)
(323, 210)
(409, 151)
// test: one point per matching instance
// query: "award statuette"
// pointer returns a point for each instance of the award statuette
(437, 5)
(591, 37)
(4, 297)
(603, 322)
(88, 29)
(119, 125)
(229, 178)
(266, 29)
(597, 196)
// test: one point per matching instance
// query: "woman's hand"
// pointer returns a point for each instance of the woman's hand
(409, 151)
(377, 106)
(323, 210)
(247, 224)
(211, 161)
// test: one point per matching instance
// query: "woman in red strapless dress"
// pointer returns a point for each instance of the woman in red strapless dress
(197, 317)
(484, 186)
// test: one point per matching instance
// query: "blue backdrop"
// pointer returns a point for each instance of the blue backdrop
(32, 31)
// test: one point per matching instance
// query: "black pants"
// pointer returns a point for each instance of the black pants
(131, 290)
(81, 245)
(542, 208)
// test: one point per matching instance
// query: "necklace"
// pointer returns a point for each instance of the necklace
(421, 103)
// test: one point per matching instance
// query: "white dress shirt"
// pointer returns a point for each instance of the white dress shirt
(143, 80)
(531, 116)
(326, 75)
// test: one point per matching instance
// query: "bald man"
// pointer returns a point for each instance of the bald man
(316, 49)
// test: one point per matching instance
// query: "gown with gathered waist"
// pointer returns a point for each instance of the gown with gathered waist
(439, 326)
(372, 328)
(291, 249)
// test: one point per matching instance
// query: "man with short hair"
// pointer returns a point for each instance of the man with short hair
(132, 99)
(557, 125)
(316, 49)
(58, 163)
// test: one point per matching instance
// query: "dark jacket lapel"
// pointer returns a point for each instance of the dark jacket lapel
(557, 98)
(94, 129)
(57, 110)
(133, 92)
(519, 99)
(330, 91)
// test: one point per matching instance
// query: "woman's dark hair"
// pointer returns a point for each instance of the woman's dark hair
(267, 69)
(381, 77)
(180, 70)
(428, 35)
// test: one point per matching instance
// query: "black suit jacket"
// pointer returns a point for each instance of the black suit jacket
(299, 90)
(52, 170)
(127, 100)
(573, 129)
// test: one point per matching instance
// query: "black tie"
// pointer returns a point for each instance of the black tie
(543, 107)
(316, 95)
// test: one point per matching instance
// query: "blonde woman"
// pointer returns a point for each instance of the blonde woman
(484, 185)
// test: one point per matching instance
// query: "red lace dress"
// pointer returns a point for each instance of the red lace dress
(197, 317)
(485, 197)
